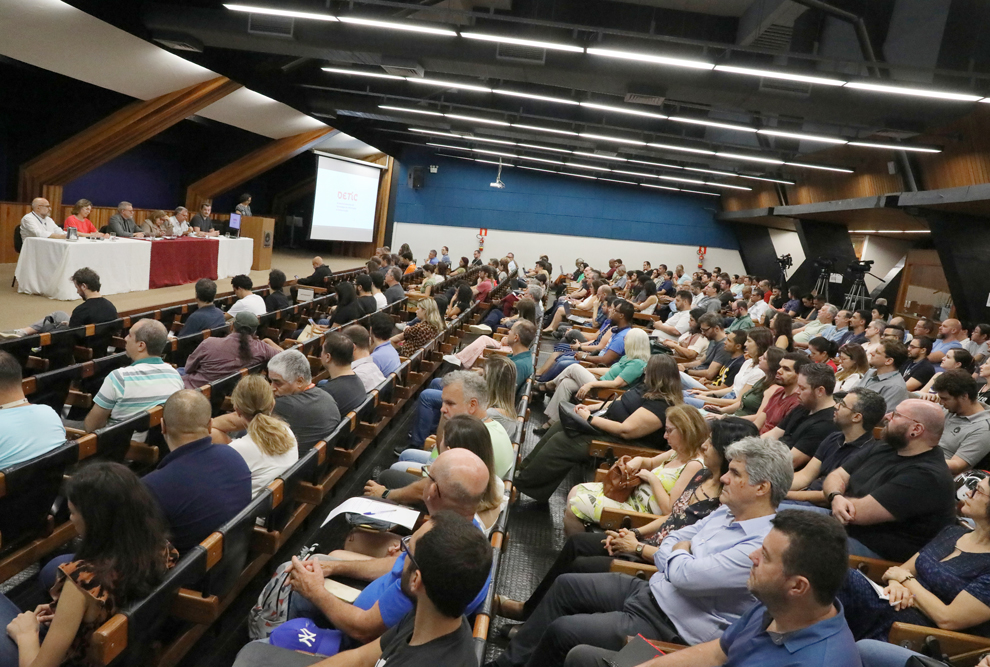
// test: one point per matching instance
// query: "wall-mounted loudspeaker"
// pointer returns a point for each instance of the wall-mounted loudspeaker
(416, 178)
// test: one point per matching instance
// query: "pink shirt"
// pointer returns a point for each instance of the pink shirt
(84, 226)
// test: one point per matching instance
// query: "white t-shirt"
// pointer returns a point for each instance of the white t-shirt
(758, 310)
(251, 303)
(749, 373)
(264, 468)
(381, 300)
(976, 350)
(680, 321)
(178, 228)
(33, 224)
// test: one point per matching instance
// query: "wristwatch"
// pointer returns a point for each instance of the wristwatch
(639, 549)
(831, 497)
(590, 417)
(385, 493)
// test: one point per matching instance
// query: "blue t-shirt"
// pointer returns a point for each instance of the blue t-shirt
(202, 319)
(200, 486)
(393, 604)
(27, 432)
(618, 342)
(386, 358)
(746, 643)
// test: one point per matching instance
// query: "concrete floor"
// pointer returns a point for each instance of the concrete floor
(17, 310)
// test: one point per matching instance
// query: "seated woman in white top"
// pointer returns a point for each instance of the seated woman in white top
(853, 365)
(269, 448)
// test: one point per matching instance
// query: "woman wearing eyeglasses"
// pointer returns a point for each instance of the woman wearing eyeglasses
(945, 585)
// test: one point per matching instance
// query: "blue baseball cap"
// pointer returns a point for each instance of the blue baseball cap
(301, 634)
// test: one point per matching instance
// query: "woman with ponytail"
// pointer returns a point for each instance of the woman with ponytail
(269, 448)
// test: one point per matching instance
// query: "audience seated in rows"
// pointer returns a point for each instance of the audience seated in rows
(425, 330)
(517, 343)
(219, 356)
(95, 309)
(206, 316)
(813, 419)
(320, 272)
(269, 447)
(965, 440)
(246, 299)
(363, 364)
(739, 376)
(383, 353)
(884, 376)
(148, 381)
(394, 291)
(276, 299)
(343, 385)
(783, 397)
(26, 431)
(366, 300)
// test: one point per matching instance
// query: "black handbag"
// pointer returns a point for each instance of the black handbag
(575, 425)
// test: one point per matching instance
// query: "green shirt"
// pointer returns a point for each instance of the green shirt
(524, 367)
(627, 368)
(744, 322)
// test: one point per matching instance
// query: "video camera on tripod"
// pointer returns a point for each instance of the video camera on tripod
(824, 266)
(858, 297)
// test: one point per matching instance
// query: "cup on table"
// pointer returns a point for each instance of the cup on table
(113, 236)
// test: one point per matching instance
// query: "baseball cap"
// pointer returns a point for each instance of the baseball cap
(245, 320)
(301, 634)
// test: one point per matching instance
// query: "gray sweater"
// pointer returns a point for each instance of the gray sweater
(121, 227)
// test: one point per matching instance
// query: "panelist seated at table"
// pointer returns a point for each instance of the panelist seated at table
(80, 220)
(95, 309)
(246, 299)
(122, 222)
(38, 223)
(201, 222)
(206, 316)
(156, 225)
(180, 222)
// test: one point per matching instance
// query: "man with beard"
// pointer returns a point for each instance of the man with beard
(895, 497)
(447, 563)
(805, 427)
(777, 404)
(795, 576)
(950, 336)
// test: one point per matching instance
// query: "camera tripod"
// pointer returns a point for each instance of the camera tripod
(821, 286)
(857, 297)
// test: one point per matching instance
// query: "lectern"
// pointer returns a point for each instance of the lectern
(262, 230)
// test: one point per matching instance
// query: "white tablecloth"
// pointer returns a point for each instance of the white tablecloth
(45, 266)
(234, 257)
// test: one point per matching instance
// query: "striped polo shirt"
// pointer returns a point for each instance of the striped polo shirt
(144, 384)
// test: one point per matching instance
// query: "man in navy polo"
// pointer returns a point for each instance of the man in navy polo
(797, 621)
(199, 486)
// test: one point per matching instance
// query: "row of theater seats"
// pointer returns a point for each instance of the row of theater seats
(163, 627)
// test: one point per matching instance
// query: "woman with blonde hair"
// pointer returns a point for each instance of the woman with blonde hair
(576, 381)
(269, 448)
(663, 477)
(429, 325)
(500, 378)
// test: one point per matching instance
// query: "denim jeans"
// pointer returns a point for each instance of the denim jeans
(8, 649)
(427, 414)
(857, 548)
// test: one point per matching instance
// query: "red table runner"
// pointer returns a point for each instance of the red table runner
(181, 261)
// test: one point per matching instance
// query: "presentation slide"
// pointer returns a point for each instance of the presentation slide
(346, 195)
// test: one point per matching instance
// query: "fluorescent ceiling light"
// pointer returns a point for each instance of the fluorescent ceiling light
(487, 140)
(408, 110)
(819, 166)
(620, 140)
(753, 158)
(455, 148)
(660, 187)
(564, 173)
(545, 148)
(681, 180)
(656, 164)
(917, 92)
(601, 157)
(764, 178)
(710, 171)
(727, 186)
(474, 119)
(281, 12)
(770, 74)
(447, 84)
(491, 152)
(503, 164)
(409, 27)
(530, 96)
(890, 231)
(549, 171)
(649, 58)
(578, 165)
(436, 133)
(711, 123)
(735, 175)
(802, 136)
(355, 72)
(699, 192)
(544, 129)
(684, 149)
(634, 112)
(633, 173)
(615, 180)
(523, 42)
(540, 159)
(896, 147)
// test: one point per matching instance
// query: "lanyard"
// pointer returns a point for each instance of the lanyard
(14, 404)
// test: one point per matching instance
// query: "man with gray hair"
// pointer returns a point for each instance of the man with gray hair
(147, 382)
(122, 222)
(699, 588)
(38, 223)
(457, 393)
(826, 316)
(180, 221)
(309, 411)
(394, 292)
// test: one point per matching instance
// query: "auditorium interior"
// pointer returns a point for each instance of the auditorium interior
(753, 225)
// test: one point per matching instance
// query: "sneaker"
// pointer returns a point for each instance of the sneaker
(478, 329)
(452, 359)
(13, 333)
(401, 326)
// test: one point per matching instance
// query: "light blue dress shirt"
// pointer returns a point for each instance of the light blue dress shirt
(703, 592)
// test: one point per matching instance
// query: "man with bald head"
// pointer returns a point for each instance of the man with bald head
(950, 336)
(896, 496)
(458, 479)
(199, 486)
(320, 271)
(38, 223)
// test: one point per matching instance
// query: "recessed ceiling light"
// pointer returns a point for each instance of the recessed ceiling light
(684, 149)
(896, 147)
(544, 129)
(355, 72)
(650, 58)
(409, 110)
(770, 74)
(890, 231)
(475, 119)
(523, 42)
(620, 140)
(391, 25)
(530, 96)
(447, 84)
(455, 148)
(281, 12)
(752, 158)
(802, 136)
(823, 167)
(626, 110)
(916, 92)
(712, 123)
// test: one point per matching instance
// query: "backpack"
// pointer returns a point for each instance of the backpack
(272, 608)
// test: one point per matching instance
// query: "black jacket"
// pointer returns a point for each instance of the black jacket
(316, 280)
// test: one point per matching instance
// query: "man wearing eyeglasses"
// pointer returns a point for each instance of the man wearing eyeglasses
(458, 480)
(715, 357)
(895, 497)
(38, 223)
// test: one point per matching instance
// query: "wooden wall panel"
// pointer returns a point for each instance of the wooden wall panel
(870, 179)
(762, 196)
(965, 156)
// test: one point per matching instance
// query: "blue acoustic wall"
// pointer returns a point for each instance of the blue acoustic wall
(459, 195)
(148, 176)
